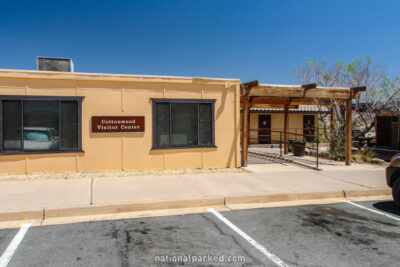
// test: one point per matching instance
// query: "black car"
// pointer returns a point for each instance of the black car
(393, 177)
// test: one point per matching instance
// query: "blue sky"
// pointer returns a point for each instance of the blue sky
(249, 39)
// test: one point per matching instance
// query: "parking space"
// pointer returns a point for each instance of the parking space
(339, 234)
(324, 235)
(134, 242)
(6, 236)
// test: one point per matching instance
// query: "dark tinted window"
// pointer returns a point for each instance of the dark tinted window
(180, 123)
(69, 125)
(184, 124)
(205, 124)
(39, 125)
(12, 125)
(162, 124)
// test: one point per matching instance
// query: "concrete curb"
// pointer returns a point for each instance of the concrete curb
(130, 207)
(282, 197)
(21, 215)
(46, 213)
(367, 193)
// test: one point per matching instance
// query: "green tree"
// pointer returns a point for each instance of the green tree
(382, 94)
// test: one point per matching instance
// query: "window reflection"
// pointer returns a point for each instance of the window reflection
(41, 124)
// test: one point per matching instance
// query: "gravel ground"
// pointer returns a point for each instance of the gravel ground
(113, 174)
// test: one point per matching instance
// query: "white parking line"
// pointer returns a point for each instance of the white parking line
(371, 210)
(257, 245)
(7, 255)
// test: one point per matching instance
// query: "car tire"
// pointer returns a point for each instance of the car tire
(396, 192)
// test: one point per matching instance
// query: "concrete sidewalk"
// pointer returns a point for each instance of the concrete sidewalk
(263, 183)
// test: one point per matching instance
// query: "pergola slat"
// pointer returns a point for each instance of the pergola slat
(286, 91)
(280, 101)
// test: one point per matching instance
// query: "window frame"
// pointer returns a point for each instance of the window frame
(78, 99)
(182, 100)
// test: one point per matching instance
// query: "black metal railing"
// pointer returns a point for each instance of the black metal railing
(267, 135)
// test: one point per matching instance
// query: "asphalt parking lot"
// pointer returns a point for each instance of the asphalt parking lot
(339, 234)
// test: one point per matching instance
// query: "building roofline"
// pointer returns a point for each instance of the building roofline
(56, 75)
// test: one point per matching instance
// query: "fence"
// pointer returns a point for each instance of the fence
(265, 135)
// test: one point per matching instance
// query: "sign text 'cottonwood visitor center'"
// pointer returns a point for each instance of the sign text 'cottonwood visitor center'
(117, 124)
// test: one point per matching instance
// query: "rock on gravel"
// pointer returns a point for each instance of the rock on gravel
(113, 174)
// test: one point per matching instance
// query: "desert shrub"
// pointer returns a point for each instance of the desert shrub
(337, 142)
(321, 133)
(337, 148)
(367, 153)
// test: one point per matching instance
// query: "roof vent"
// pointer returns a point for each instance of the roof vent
(55, 64)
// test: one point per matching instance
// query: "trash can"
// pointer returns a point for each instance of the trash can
(299, 148)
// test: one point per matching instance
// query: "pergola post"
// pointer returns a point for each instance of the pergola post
(332, 121)
(245, 129)
(286, 128)
(348, 136)
(248, 125)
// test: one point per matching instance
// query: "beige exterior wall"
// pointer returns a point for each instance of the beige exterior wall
(277, 124)
(127, 95)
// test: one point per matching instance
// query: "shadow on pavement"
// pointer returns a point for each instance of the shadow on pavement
(387, 206)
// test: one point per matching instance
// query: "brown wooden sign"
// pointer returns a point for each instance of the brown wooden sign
(117, 124)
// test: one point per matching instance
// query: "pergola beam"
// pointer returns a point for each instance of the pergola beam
(299, 91)
(280, 101)
(275, 106)
(251, 84)
(261, 100)
(355, 91)
(309, 86)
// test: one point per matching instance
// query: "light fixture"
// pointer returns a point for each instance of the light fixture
(227, 86)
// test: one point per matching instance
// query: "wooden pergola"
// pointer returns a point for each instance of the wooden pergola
(256, 95)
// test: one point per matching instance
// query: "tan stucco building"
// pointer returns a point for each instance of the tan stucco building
(46, 122)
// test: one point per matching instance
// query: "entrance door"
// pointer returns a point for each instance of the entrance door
(264, 129)
(384, 131)
(308, 127)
